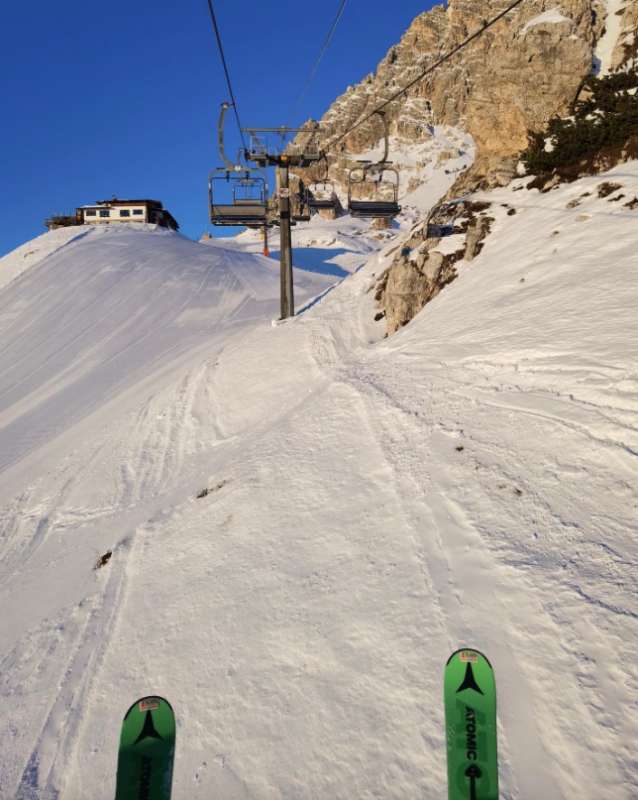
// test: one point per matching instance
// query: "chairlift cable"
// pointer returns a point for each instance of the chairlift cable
(490, 23)
(220, 47)
(324, 48)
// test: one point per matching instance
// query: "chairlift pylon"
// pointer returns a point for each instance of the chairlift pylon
(261, 151)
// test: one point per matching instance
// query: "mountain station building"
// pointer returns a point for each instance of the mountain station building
(105, 212)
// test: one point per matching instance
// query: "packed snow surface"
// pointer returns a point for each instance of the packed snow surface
(366, 506)
(29, 254)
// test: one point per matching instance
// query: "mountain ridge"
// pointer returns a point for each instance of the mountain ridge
(513, 79)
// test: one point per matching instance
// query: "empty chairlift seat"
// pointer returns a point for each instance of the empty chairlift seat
(322, 197)
(373, 191)
(249, 201)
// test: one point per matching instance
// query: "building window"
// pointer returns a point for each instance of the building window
(138, 212)
(104, 212)
(89, 213)
(125, 212)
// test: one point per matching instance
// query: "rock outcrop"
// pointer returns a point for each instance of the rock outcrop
(521, 72)
(426, 264)
(512, 79)
(624, 30)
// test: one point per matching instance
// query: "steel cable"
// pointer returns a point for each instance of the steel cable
(324, 48)
(430, 69)
(220, 46)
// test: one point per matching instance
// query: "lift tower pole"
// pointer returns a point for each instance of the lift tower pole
(283, 161)
(285, 250)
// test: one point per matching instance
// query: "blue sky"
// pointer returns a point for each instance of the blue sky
(122, 98)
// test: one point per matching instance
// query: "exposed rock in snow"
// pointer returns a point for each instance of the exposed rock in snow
(453, 232)
(514, 78)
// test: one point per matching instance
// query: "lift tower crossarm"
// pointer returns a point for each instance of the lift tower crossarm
(284, 130)
(264, 158)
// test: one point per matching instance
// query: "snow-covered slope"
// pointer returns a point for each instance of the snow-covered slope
(370, 505)
(100, 315)
(28, 255)
(329, 247)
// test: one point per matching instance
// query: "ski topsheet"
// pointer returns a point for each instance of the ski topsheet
(470, 725)
(147, 747)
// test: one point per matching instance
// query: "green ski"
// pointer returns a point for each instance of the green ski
(470, 725)
(147, 747)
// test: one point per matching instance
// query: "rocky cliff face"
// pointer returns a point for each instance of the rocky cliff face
(514, 78)
(621, 26)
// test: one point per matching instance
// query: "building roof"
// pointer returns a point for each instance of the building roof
(172, 219)
(115, 201)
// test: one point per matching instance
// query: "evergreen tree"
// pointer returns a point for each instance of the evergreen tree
(605, 120)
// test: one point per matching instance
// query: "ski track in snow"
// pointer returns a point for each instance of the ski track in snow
(453, 561)
(457, 564)
(161, 437)
(24, 526)
(44, 775)
(371, 506)
(450, 554)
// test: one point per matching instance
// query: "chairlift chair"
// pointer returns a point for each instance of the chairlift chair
(322, 196)
(380, 179)
(249, 199)
(382, 184)
(321, 193)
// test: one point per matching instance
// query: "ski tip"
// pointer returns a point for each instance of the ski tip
(149, 703)
(470, 652)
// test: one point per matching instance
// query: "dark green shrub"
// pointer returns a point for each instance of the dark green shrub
(602, 125)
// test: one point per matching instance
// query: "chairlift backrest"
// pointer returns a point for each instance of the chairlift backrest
(375, 177)
(322, 187)
(322, 196)
(376, 186)
(249, 190)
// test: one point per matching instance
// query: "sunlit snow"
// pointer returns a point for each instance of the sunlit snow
(372, 504)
